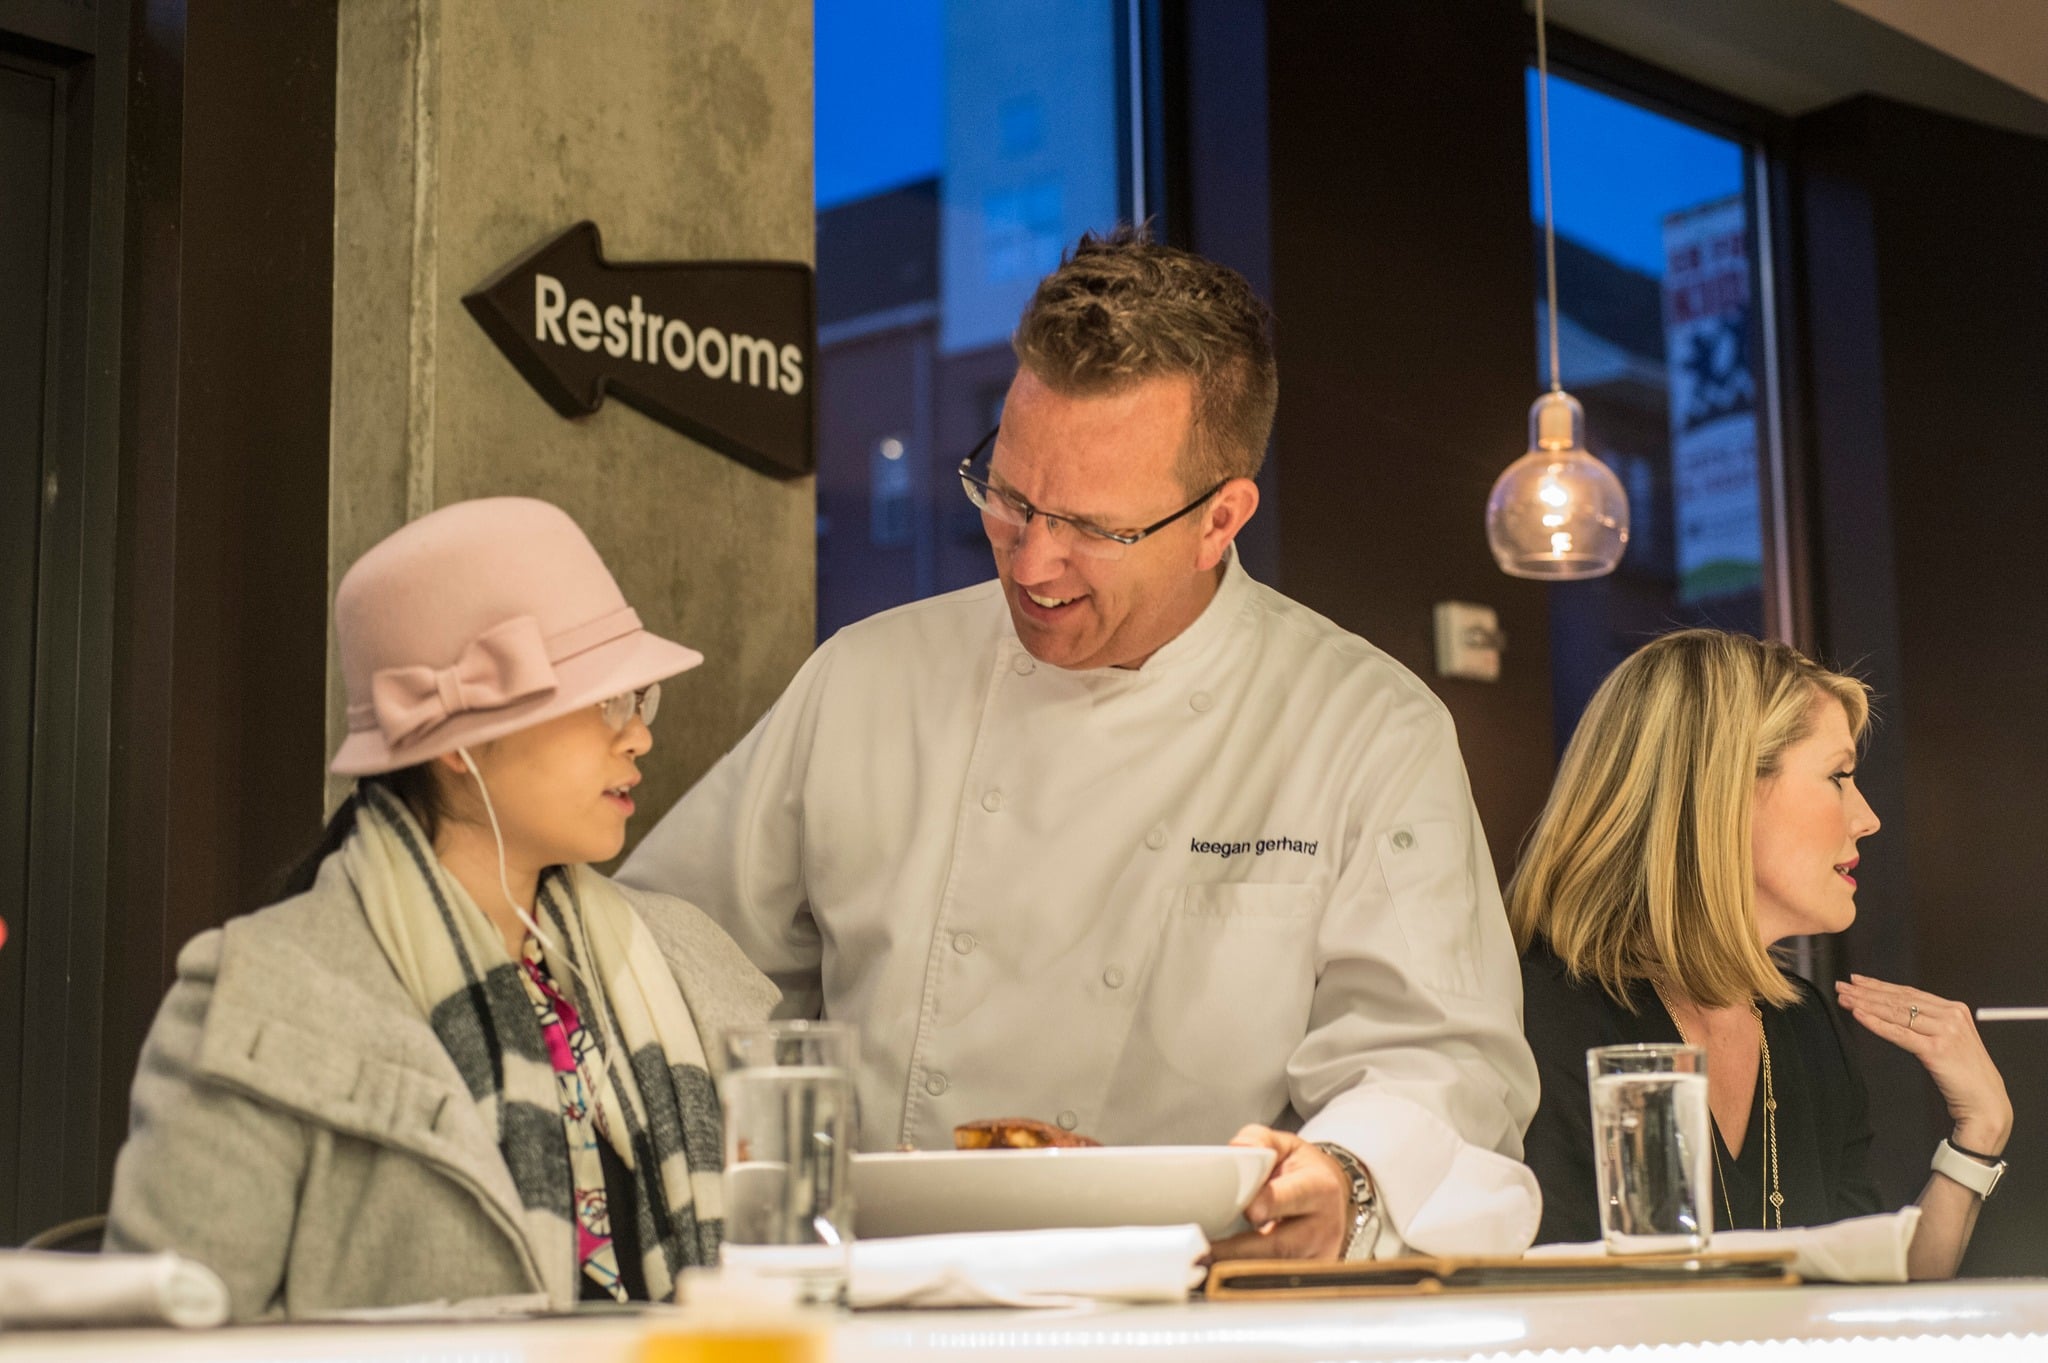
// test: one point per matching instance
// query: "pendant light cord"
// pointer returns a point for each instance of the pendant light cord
(1549, 218)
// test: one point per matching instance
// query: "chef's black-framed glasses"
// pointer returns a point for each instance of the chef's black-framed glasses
(1005, 515)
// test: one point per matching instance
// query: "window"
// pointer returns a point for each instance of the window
(962, 145)
(1660, 335)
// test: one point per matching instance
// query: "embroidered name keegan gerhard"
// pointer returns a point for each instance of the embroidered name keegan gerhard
(1257, 848)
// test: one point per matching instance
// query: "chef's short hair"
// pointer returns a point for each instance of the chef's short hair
(1640, 866)
(1122, 308)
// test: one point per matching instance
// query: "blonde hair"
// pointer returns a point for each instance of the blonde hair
(1640, 865)
(1123, 308)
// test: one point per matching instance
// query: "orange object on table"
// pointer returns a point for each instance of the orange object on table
(736, 1343)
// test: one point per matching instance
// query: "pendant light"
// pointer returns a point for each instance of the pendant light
(1557, 513)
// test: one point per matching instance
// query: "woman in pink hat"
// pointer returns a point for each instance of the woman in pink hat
(457, 1062)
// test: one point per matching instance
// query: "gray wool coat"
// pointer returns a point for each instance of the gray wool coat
(297, 1127)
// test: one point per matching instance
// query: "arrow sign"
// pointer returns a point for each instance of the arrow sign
(723, 351)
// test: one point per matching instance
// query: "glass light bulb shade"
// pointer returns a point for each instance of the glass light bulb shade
(1557, 513)
(1557, 422)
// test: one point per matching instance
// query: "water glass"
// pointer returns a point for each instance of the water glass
(1652, 1147)
(789, 1136)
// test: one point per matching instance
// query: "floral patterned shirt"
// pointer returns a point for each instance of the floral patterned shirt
(573, 1055)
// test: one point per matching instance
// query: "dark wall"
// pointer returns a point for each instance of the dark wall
(1400, 256)
(54, 483)
(64, 437)
(1928, 300)
(220, 679)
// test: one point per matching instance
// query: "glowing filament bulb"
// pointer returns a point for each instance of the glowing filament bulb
(1558, 512)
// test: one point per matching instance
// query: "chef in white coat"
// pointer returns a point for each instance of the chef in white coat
(1127, 842)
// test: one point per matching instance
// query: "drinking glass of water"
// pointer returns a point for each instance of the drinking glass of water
(789, 1135)
(1652, 1147)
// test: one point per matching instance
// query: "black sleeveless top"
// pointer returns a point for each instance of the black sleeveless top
(1823, 1111)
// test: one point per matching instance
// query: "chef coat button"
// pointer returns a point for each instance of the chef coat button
(1022, 665)
(963, 942)
(1068, 1121)
(1403, 840)
(1114, 977)
(1201, 701)
(1156, 839)
(935, 1084)
(992, 801)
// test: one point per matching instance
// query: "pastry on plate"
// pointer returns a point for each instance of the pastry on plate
(1015, 1133)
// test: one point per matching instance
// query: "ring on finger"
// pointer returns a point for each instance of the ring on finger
(1912, 1015)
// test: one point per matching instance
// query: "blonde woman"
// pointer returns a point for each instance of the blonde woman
(1706, 810)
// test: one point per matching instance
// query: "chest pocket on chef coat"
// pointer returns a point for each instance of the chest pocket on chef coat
(1231, 989)
(1429, 876)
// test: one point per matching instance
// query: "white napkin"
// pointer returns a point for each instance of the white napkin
(1864, 1249)
(39, 1289)
(1029, 1268)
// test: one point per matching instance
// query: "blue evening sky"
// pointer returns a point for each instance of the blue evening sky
(880, 116)
(1619, 169)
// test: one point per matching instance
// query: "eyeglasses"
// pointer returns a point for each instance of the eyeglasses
(619, 710)
(1004, 514)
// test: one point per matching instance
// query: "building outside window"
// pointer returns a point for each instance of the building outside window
(962, 145)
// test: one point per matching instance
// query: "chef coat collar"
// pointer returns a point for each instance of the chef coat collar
(1191, 645)
(1194, 643)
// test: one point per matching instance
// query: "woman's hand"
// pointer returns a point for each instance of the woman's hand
(1941, 1035)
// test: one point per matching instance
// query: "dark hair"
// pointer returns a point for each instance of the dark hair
(415, 786)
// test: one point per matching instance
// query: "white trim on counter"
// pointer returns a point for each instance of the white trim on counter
(1988, 1322)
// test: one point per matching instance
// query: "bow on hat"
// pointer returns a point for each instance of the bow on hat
(504, 665)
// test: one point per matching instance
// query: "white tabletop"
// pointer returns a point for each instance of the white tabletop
(1987, 1322)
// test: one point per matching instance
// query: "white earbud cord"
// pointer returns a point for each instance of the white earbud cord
(591, 1029)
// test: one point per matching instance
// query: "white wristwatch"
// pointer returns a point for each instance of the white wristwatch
(1978, 1177)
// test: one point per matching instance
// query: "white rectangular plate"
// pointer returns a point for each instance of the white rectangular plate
(938, 1192)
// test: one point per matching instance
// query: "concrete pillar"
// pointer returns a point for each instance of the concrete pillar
(468, 131)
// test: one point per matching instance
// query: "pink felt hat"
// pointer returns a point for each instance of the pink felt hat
(479, 620)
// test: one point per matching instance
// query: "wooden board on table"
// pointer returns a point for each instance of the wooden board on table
(1284, 1280)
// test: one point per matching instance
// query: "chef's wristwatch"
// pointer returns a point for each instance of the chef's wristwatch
(1365, 1211)
(1979, 1175)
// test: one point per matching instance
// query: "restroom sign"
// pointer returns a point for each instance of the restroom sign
(722, 351)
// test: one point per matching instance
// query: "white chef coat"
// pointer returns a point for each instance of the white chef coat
(1244, 883)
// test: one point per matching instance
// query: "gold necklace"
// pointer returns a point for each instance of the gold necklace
(1774, 1202)
(1770, 1120)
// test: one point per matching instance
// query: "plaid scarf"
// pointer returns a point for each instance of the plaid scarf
(648, 1073)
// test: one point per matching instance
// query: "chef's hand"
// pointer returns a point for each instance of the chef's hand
(1302, 1212)
(1941, 1035)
